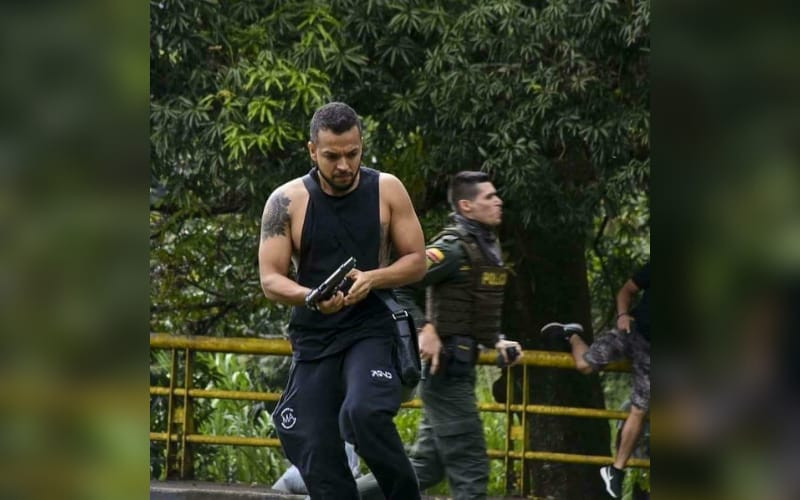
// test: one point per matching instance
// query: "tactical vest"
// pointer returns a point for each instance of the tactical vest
(474, 306)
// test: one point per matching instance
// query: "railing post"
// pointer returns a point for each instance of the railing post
(187, 468)
(523, 483)
(171, 469)
(507, 463)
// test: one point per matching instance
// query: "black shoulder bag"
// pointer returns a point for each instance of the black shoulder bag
(406, 345)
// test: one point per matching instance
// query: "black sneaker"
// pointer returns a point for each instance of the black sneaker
(562, 330)
(613, 478)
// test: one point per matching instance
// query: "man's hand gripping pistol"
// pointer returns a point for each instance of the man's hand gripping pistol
(338, 281)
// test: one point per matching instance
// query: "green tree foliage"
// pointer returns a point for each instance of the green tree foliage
(550, 97)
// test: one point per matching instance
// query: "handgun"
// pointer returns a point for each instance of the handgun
(332, 284)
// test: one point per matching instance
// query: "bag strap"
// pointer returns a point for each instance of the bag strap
(340, 231)
(342, 235)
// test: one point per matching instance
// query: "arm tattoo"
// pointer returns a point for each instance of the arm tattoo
(276, 217)
(385, 247)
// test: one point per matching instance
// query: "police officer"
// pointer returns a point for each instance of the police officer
(464, 284)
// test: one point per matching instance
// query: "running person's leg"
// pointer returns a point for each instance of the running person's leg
(639, 353)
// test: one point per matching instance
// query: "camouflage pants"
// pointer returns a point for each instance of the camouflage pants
(615, 345)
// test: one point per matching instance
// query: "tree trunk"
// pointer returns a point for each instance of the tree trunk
(549, 284)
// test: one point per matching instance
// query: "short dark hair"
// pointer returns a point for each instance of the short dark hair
(464, 186)
(337, 117)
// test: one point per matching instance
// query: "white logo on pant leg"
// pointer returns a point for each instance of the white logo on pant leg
(381, 374)
(287, 418)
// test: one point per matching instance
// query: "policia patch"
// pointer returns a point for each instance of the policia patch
(494, 278)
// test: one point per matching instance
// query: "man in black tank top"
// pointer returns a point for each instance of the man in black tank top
(343, 384)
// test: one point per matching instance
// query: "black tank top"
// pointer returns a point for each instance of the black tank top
(313, 334)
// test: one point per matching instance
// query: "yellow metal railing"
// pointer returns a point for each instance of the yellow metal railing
(180, 429)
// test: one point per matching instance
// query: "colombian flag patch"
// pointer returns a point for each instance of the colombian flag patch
(434, 255)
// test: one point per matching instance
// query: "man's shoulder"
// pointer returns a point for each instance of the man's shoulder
(296, 184)
(450, 235)
(293, 189)
(289, 198)
(446, 239)
(392, 191)
(385, 179)
(443, 255)
(447, 242)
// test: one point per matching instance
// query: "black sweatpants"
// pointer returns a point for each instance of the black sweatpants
(351, 396)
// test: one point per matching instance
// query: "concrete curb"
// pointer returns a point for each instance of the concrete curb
(202, 490)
